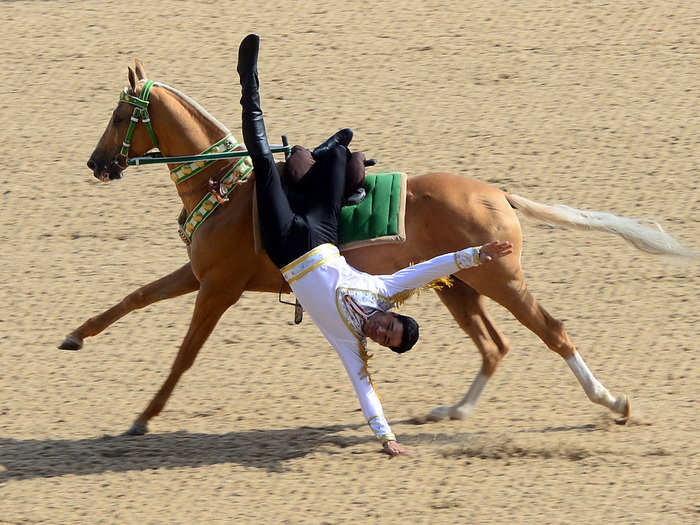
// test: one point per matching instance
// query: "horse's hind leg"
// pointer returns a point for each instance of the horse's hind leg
(515, 296)
(468, 309)
(210, 305)
(179, 282)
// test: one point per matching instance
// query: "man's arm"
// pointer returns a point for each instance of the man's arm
(423, 273)
(348, 349)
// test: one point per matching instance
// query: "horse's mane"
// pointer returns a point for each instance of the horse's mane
(195, 105)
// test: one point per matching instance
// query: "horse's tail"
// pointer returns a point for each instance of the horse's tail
(644, 234)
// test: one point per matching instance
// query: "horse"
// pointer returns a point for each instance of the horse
(223, 262)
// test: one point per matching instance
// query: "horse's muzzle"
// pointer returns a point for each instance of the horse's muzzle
(105, 172)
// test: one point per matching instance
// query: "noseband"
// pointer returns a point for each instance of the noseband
(140, 114)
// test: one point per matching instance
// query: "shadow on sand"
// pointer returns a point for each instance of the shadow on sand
(266, 449)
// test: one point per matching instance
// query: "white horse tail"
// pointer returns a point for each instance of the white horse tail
(644, 234)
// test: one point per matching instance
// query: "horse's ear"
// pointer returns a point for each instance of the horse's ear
(140, 70)
(132, 79)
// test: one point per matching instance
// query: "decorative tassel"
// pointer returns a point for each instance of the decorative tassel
(438, 284)
(366, 356)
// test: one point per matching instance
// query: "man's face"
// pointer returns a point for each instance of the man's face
(384, 328)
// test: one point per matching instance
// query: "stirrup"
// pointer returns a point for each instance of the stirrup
(356, 197)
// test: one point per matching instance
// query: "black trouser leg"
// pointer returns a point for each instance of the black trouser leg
(253, 125)
(326, 187)
(275, 215)
(285, 234)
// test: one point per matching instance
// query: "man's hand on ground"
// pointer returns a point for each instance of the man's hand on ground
(393, 448)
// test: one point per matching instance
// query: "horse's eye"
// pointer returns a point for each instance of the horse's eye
(116, 118)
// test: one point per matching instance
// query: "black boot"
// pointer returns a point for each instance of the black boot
(253, 125)
(344, 136)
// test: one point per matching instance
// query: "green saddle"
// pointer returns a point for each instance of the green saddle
(379, 217)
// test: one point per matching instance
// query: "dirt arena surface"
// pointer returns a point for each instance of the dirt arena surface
(595, 106)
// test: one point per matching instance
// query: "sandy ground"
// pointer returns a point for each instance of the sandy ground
(595, 106)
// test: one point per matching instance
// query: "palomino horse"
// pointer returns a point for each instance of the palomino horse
(223, 263)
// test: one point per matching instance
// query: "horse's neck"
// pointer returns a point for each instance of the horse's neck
(183, 128)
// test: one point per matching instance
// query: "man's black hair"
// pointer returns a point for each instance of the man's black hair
(409, 336)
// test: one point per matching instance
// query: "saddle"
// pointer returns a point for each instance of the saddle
(301, 160)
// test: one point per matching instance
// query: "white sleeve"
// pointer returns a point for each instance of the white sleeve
(348, 351)
(423, 273)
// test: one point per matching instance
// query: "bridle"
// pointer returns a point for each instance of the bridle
(140, 113)
(189, 165)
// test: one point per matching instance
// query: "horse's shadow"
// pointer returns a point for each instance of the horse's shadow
(265, 449)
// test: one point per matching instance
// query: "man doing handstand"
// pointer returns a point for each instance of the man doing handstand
(347, 305)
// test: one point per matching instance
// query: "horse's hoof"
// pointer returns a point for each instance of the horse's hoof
(71, 343)
(461, 412)
(626, 413)
(137, 429)
(439, 414)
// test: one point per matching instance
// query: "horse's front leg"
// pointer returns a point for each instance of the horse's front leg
(179, 282)
(212, 302)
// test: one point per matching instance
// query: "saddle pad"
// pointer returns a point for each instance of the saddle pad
(380, 217)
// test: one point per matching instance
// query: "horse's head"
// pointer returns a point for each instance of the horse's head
(127, 133)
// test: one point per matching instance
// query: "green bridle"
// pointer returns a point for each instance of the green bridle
(140, 114)
(190, 165)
